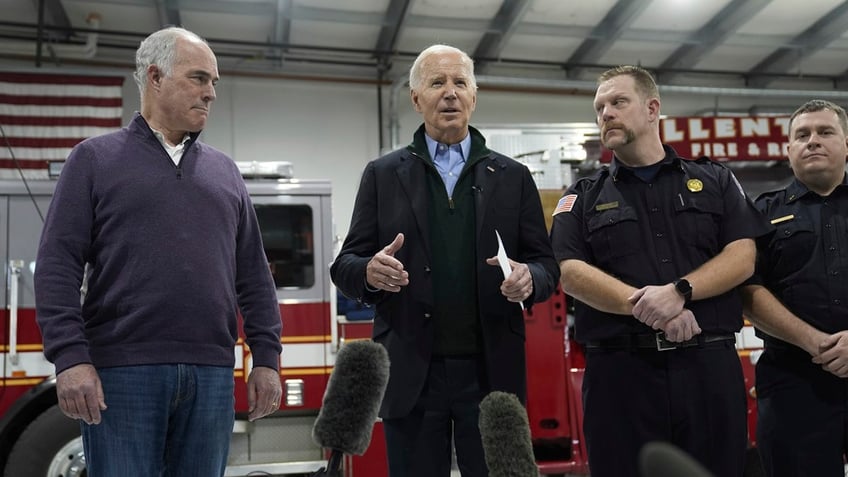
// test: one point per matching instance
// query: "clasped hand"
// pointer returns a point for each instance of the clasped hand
(661, 308)
(833, 354)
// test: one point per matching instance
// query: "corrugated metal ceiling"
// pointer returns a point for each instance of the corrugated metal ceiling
(738, 43)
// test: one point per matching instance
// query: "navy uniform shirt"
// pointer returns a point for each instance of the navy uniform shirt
(804, 263)
(652, 232)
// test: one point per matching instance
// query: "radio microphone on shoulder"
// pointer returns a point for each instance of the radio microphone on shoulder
(661, 459)
(505, 432)
(351, 402)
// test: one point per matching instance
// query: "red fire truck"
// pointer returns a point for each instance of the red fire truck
(37, 440)
(295, 218)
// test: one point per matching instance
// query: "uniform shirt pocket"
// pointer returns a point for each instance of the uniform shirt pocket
(697, 221)
(613, 234)
(792, 246)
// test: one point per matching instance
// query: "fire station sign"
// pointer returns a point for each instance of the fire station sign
(727, 138)
(731, 138)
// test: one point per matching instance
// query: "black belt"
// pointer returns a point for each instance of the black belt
(656, 341)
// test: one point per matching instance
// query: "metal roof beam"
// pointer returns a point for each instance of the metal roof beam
(393, 22)
(823, 32)
(606, 33)
(55, 15)
(169, 13)
(712, 34)
(501, 28)
(281, 33)
(282, 22)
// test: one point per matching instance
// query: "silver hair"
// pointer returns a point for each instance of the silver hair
(415, 71)
(159, 49)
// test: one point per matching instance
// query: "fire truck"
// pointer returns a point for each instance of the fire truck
(36, 439)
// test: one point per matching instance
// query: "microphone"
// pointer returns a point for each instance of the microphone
(661, 459)
(505, 432)
(351, 402)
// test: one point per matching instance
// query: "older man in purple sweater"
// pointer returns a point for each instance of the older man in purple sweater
(167, 231)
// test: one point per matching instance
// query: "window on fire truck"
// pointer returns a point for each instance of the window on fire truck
(287, 235)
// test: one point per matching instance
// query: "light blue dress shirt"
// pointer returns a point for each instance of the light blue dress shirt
(449, 159)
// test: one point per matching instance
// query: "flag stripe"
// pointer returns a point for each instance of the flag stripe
(71, 130)
(51, 111)
(59, 90)
(40, 78)
(10, 164)
(11, 121)
(35, 153)
(44, 141)
(60, 100)
(45, 115)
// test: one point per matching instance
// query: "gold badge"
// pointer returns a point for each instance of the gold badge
(694, 185)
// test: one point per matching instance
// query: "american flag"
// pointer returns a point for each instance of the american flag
(43, 116)
(565, 204)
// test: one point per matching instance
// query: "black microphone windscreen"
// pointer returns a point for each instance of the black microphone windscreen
(353, 397)
(505, 432)
(661, 459)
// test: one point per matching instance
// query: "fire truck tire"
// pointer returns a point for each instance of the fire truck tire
(50, 446)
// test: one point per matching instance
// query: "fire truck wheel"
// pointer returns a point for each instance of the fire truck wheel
(50, 446)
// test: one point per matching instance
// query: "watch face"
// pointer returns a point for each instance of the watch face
(683, 287)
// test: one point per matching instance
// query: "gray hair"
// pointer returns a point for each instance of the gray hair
(815, 105)
(415, 71)
(159, 49)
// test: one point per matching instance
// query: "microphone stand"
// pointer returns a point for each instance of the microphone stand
(333, 466)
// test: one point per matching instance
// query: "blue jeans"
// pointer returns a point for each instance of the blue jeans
(171, 420)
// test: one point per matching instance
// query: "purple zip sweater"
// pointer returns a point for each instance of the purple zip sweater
(175, 253)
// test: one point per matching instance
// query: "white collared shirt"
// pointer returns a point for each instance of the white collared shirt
(176, 152)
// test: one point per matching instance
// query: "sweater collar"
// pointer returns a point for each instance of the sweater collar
(139, 125)
(418, 146)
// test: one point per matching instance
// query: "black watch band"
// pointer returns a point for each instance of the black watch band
(684, 288)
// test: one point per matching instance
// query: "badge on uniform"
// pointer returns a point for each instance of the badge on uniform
(565, 204)
(694, 185)
(607, 206)
(782, 219)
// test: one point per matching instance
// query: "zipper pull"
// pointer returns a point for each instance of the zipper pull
(450, 203)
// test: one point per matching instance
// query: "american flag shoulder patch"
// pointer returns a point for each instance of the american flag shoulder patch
(565, 204)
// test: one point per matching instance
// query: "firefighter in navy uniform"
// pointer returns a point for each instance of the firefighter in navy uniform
(798, 300)
(652, 248)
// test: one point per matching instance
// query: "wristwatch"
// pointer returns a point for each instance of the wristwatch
(683, 287)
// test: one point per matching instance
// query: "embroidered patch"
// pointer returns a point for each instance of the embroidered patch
(565, 204)
(607, 206)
